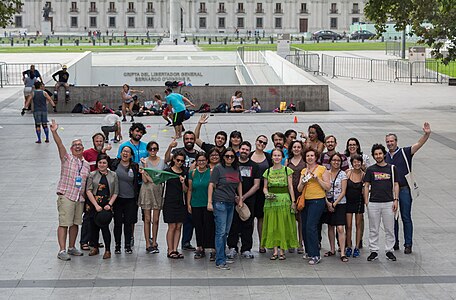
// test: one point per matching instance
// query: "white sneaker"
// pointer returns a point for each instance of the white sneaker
(232, 253)
(247, 254)
(75, 252)
(63, 255)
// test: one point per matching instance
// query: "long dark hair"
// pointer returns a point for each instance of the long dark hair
(320, 133)
(358, 151)
(235, 163)
(290, 149)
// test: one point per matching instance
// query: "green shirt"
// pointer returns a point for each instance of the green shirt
(200, 183)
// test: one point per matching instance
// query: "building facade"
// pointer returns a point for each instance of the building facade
(201, 17)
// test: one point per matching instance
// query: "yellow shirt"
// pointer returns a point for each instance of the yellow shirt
(313, 189)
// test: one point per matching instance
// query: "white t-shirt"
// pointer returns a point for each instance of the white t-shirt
(336, 187)
(111, 120)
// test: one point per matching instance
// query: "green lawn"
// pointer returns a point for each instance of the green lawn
(81, 48)
(449, 69)
(233, 47)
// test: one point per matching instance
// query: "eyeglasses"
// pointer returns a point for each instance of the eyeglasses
(153, 149)
(262, 142)
(229, 156)
(201, 161)
(76, 145)
(180, 160)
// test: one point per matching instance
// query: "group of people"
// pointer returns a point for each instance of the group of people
(292, 189)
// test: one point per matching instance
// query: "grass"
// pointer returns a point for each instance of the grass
(449, 69)
(81, 48)
(233, 47)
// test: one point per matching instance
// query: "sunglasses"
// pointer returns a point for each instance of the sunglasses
(153, 149)
(262, 142)
(229, 156)
(180, 160)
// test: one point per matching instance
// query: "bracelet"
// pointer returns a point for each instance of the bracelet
(395, 199)
(109, 205)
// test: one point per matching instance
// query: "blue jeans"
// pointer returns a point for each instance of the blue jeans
(405, 205)
(310, 217)
(223, 216)
(187, 231)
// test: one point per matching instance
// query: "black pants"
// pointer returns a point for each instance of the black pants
(95, 235)
(203, 220)
(125, 214)
(187, 231)
(86, 229)
(243, 229)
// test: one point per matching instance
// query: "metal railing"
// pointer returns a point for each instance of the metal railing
(253, 55)
(11, 73)
(393, 48)
(305, 60)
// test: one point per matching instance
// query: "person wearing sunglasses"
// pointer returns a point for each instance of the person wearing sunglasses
(150, 196)
(225, 189)
(174, 209)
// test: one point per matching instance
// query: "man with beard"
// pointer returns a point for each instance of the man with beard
(278, 139)
(90, 155)
(219, 140)
(250, 184)
(70, 190)
(136, 131)
(331, 144)
(382, 178)
(397, 156)
(190, 156)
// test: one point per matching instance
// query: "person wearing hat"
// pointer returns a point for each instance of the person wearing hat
(62, 81)
(102, 191)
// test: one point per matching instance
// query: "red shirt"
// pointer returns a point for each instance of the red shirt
(90, 155)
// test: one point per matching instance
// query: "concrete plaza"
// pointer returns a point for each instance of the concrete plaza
(29, 268)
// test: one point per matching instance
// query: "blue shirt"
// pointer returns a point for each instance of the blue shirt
(176, 101)
(398, 160)
(285, 155)
(138, 151)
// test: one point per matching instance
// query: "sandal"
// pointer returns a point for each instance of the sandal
(274, 257)
(262, 250)
(85, 247)
(172, 254)
(179, 255)
(282, 257)
(329, 253)
(300, 250)
(344, 258)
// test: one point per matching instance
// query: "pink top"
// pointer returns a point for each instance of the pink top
(71, 168)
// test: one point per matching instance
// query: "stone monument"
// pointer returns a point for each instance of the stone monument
(46, 28)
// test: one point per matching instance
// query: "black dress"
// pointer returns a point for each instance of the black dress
(354, 195)
(174, 209)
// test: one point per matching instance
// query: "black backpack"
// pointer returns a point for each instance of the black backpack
(77, 109)
(221, 108)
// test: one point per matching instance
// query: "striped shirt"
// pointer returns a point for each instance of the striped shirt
(72, 167)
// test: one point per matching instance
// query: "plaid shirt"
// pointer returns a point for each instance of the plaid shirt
(71, 167)
(324, 161)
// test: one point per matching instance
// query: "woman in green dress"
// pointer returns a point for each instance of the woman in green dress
(279, 225)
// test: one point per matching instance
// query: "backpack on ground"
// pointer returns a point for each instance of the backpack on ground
(221, 108)
(97, 108)
(204, 108)
(77, 109)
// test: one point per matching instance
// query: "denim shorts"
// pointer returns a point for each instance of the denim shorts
(40, 117)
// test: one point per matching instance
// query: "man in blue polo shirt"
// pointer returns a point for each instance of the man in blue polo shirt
(397, 156)
(177, 102)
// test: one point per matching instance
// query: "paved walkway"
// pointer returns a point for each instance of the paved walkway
(29, 268)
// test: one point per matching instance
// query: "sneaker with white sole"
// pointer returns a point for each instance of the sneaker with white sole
(222, 267)
(314, 260)
(232, 253)
(372, 256)
(75, 252)
(63, 255)
(306, 256)
(247, 254)
(390, 256)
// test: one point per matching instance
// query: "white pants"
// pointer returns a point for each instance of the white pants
(381, 211)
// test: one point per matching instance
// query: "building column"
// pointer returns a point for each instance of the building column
(174, 30)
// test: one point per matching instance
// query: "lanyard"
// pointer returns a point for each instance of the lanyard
(137, 150)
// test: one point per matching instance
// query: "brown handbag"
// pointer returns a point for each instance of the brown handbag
(301, 202)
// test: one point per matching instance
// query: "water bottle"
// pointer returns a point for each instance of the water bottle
(130, 173)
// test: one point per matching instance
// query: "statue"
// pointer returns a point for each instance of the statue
(46, 11)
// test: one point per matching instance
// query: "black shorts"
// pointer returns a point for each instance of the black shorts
(258, 211)
(178, 118)
(355, 207)
(338, 217)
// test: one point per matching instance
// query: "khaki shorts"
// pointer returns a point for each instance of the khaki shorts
(28, 91)
(70, 212)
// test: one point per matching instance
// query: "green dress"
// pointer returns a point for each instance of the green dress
(279, 223)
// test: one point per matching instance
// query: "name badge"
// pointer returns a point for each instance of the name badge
(78, 182)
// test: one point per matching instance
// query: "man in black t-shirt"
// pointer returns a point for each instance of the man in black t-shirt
(219, 139)
(382, 203)
(250, 184)
(190, 156)
(61, 81)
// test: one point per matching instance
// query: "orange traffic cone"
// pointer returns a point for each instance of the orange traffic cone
(295, 120)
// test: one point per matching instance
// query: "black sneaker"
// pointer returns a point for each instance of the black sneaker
(373, 256)
(408, 250)
(396, 247)
(188, 247)
(390, 256)
(124, 119)
(117, 250)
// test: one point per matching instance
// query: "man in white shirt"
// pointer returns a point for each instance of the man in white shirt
(112, 123)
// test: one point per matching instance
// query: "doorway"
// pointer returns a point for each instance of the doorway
(303, 25)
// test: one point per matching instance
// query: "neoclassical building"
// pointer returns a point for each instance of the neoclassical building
(194, 16)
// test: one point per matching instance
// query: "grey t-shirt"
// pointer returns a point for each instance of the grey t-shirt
(126, 187)
(226, 181)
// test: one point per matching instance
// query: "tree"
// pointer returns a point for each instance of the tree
(440, 13)
(7, 9)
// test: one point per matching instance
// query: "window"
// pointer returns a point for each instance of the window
(355, 20)
(202, 8)
(355, 9)
(18, 21)
(333, 23)
(150, 7)
(221, 22)
(150, 22)
(202, 22)
(131, 7)
(240, 8)
(131, 22)
(278, 22)
(278, 8)
(93, 7)
(259, 8)
(240, 22)
(221, 7)
(259, 22)
(93, 21)
(74, 7)
(74, 22)
(333, 9)
(303, 8)
(112, 7)
(112, 22)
